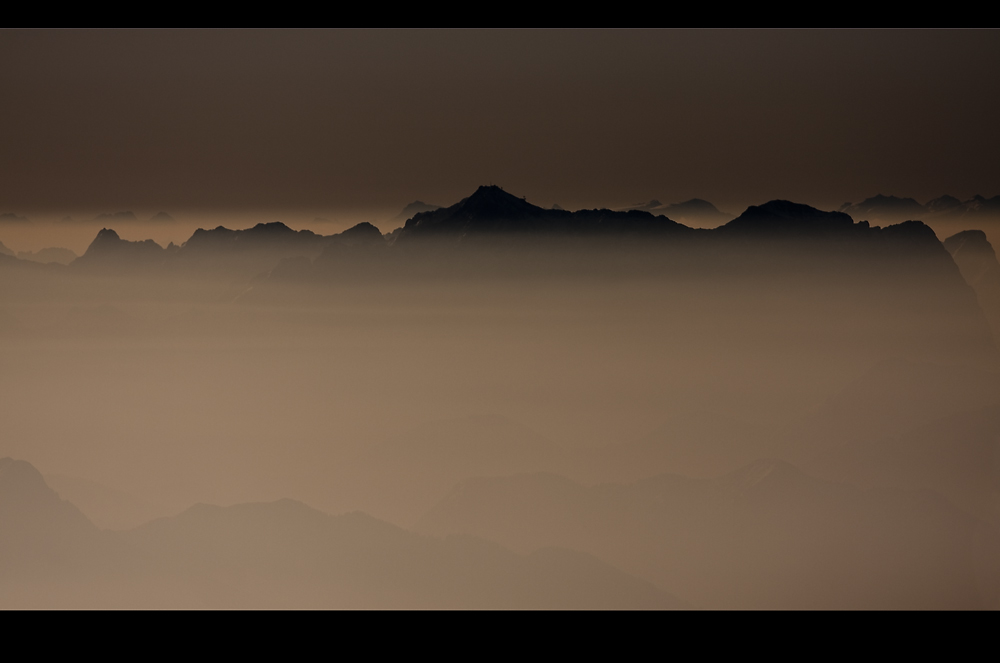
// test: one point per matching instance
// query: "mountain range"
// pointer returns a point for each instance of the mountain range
(282, 554)
(892, 208)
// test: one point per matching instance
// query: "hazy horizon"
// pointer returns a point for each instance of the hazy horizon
(555, 387)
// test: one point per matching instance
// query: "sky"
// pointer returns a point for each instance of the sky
(320, 122)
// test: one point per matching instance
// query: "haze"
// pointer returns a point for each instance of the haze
(499, 320)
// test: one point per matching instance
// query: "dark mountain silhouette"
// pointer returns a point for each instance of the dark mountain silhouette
(162, 217)
(109, 251)
(47, 255)
(493, 211)
(781, 218)
(414, 208)
(10, 217)
(765, 536)
(261, 236)
(831, 269)
(246, 253)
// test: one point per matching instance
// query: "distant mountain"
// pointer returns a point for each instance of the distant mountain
(416, 207)
(4, 251)
(493, 211)
(285, 554)
(9, 217)
(51, 254)
(38, 530)
(943, 205)
(263, 236)
(105, 507)
(978, 263)
(278, 555)
(864, 433)
(643, 207)
(162, 217)
(979, 204)
(695, 212)
(781, 218)
(115, 217)
(886, 208)
(890, 209)
(974, 256)
(766, 536)
(110, 251)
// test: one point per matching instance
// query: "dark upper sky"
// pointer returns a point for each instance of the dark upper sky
(330, 120)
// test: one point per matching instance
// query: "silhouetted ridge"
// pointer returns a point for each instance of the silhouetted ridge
(491, 210)
(261, 235)
(356, 251)
(111, 250)
(784, 218)
(362, 233)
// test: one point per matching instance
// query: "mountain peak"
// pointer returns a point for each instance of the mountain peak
(493, 200)
(782, 217)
